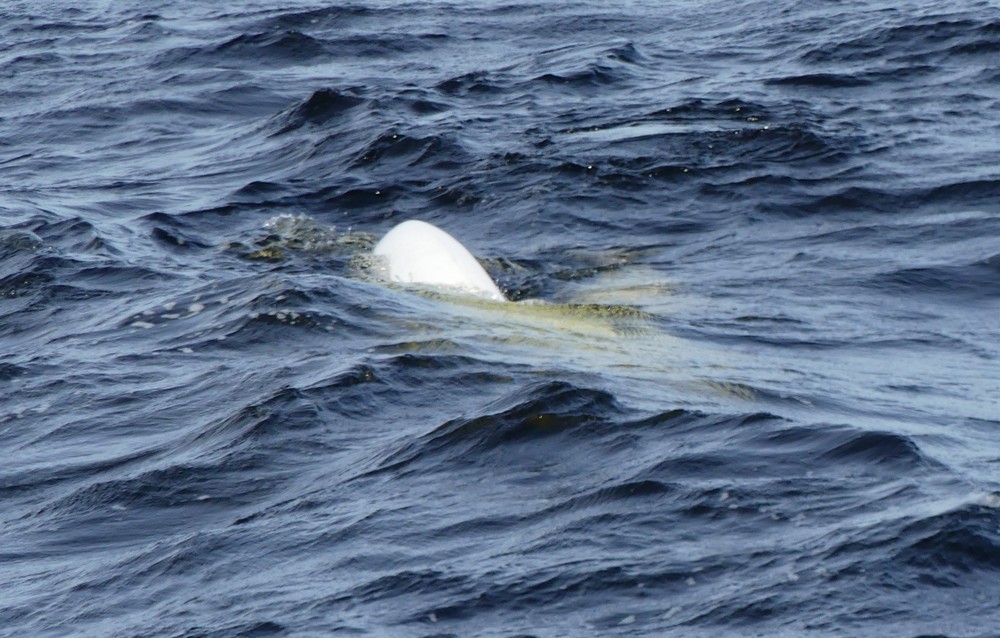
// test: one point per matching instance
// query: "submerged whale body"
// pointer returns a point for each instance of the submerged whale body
(415, 252)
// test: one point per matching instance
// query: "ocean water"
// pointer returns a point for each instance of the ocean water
(749, 384)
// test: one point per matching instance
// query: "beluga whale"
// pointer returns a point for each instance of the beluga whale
(418, 253)
(598, 297)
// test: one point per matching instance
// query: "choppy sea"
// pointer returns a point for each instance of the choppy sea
(748, 383)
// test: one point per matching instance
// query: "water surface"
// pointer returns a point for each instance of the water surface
(749, 385)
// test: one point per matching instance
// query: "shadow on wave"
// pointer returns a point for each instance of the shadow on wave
(321, 108)
(546, 411)
(975, 281)
(291, 47)
(932, 39)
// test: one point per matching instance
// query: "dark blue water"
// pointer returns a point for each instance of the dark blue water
(750, 386)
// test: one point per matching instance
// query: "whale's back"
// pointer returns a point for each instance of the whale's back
(415, 252)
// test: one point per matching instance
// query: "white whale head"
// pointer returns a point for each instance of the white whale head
(415, 252)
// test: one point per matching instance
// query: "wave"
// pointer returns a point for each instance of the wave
(322, 106)
(976, 280)
(932, 38)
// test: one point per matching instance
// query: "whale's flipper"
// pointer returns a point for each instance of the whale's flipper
(415, 252)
